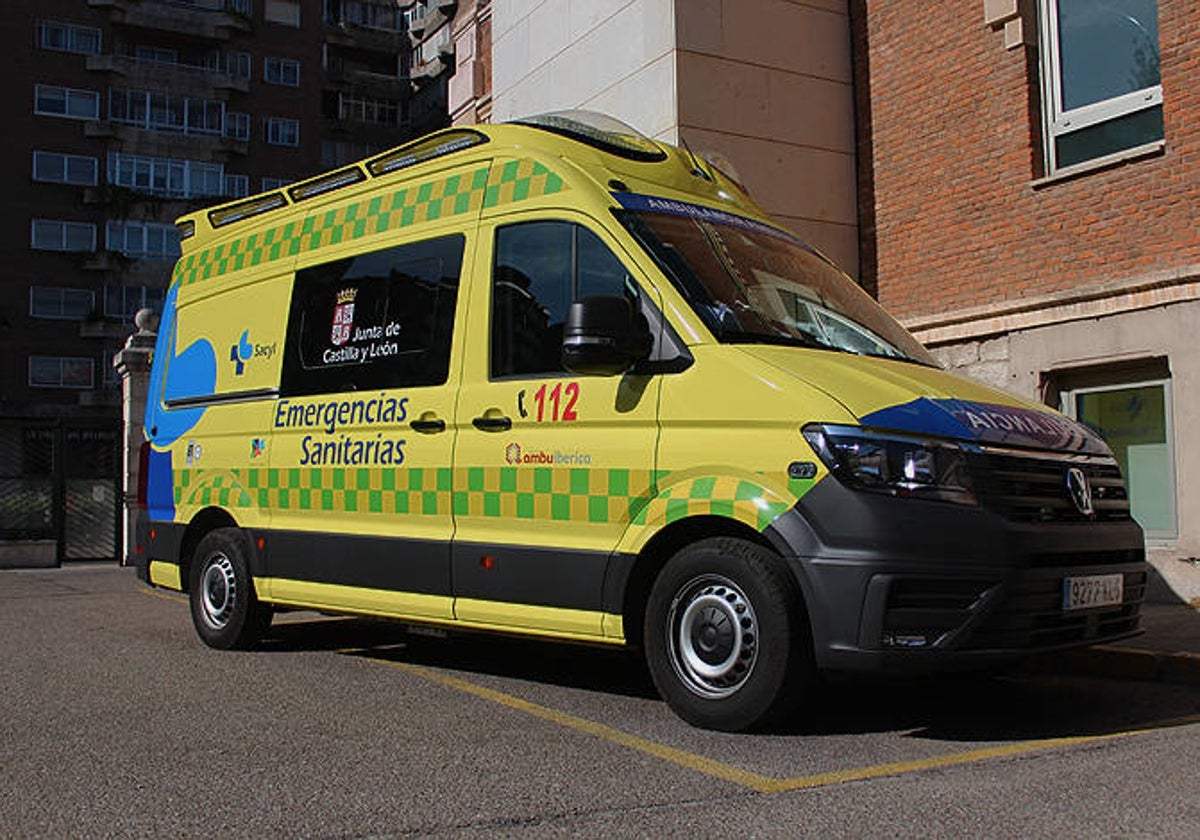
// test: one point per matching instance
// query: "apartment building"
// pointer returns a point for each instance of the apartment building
(123, 114)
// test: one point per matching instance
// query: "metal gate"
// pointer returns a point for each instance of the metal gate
(60, 483)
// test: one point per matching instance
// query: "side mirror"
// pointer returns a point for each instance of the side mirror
(603, 336)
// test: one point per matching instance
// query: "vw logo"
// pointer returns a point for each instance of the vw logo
(1080, 491)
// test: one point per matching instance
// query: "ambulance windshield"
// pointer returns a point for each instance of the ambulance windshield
(753, 284)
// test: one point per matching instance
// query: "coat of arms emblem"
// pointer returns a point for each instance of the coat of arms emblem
(343, 316)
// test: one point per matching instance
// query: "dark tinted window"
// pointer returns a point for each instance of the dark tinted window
(377, 320)
(540, 268)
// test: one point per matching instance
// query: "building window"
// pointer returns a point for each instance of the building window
(61, 372)
(370, 111)
(369, 14)
(283, 132)
(1136, 420)
(237, 126)
(53, 101)
(241, 7)
(123, 302)
(56, 235)
(67, 37)
(238, 64)
(166, 177)
(281, 71)
(54, 168)
(269, 184)
(143, 240)
(57, 302)
(1101, 83)
(286, 12)
(166, 112)
(155, 55)
(237, 186)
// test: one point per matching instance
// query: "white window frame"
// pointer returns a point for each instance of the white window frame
(63, 311)
(74, 36)
(133, 298)
(166, 177)
(239, 64)
(39, 229)
(237, 125)
(1068, 406)
(42, 159)
(142, 240)
(62, 360)
(281, 71)
(157, 111)
(1059, 121)
(68, 95)
(283, 131)
(237, 186)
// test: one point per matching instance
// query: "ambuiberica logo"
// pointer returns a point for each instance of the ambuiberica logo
(514, 454)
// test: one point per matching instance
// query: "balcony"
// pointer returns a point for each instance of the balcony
(186, 79)
(428, 19)
(212, 20)
(365, 82)
(144, 140)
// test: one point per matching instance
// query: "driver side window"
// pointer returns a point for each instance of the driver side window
(540, 268)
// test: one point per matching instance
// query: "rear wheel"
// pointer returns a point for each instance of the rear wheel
(225, 609)
(727, 639)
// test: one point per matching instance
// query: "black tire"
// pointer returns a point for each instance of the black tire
(727, 638)
(225, 609)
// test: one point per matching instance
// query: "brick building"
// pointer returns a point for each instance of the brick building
(1029, 191)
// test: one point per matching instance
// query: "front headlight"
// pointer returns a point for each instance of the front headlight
(896, 464)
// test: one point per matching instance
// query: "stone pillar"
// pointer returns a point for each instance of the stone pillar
(133, 366)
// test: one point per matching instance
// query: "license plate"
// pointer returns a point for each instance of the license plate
(1081, 593)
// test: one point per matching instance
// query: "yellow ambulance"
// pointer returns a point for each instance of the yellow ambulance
(556, 378)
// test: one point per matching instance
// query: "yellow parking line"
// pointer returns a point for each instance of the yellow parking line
(757, 781)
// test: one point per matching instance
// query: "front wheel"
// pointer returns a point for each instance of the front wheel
(727, 638)
(225, 610)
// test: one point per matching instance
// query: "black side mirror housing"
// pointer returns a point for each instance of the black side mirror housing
(604, 336)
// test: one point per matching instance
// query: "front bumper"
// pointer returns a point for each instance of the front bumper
(900, 585)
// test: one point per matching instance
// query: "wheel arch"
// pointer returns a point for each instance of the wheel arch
(206, 521)
(659, 549)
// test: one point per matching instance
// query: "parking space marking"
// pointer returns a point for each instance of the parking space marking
(749, 779)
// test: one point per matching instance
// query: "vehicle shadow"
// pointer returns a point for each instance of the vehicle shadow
(962, 708)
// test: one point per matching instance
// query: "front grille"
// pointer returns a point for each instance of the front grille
(1030, 616)
(1033, 488)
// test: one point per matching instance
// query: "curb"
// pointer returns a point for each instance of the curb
(1121, 664)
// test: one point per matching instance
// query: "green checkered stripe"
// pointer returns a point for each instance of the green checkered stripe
(745, 501)
(464, 192)
(534, 493)
(420, 492)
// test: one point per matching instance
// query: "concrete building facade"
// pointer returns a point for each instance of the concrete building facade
(727, 76)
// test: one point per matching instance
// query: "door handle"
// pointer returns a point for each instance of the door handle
(427, 425)
(492, 423)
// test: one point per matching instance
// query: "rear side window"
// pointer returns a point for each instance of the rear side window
(378, 320)
(540, 269)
